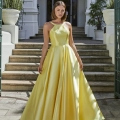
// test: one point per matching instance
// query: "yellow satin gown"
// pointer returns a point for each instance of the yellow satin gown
(61, 91)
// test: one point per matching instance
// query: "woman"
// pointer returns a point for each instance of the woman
(61, 91)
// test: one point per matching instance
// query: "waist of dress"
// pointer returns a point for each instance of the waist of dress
(59, 44)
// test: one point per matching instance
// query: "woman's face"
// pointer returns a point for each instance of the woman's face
(59, 11)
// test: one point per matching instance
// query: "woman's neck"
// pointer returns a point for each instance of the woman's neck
(58, 21)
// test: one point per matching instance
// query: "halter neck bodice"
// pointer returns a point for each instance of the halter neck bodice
(59, 34)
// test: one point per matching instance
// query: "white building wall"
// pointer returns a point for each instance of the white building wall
(7, 47)
(30, 19)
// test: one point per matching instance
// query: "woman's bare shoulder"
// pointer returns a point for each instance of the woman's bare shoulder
(68, 24)
(47, 24)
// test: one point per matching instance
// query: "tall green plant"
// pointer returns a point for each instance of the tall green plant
(13, 4)
(111, 4)
(96, 15)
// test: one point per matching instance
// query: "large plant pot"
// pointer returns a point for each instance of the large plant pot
(99, 34)
(108, 15)
(10, 16)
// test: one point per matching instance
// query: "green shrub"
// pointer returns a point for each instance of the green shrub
(96, 15)
(13, 4)
(111, 4)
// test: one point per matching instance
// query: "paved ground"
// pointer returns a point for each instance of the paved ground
(13, 103)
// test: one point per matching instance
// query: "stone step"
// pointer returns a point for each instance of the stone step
(36, 59)
(32, 75)
(38, 52)
(102, 86)
(74, 31)
(75, 41)
(100, 76)
(18, 85)
(73, 28)
(99, 67)
(75, 37)
(74, 34)
(34, 67)
(78, 46)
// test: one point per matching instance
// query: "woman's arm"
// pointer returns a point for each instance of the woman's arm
(71, 42)
(46, 42)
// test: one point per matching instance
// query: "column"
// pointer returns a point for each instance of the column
(81, 17)
(43, 12)
(30, 19)
(87, 16)
(88, 4)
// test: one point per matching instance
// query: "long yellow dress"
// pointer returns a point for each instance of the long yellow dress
(61, 91)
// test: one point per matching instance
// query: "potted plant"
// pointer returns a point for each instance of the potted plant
(96, 18)
(108, 13)
(11, 10)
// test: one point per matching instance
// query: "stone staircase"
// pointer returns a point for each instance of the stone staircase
(78, 34)
(21, 72)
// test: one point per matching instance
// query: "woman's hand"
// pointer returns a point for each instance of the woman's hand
(40, 68)
(81, 65)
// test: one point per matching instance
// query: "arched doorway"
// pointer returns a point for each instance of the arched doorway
(71, 7)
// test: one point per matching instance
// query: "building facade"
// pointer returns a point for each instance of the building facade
(37, 12)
